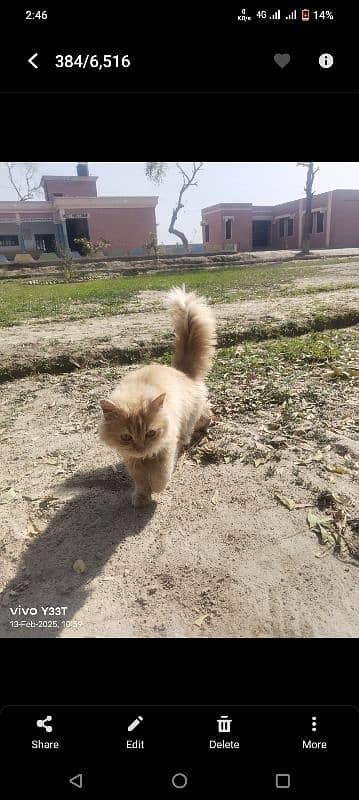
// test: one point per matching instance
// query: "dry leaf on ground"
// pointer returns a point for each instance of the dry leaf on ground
(79, 566)
(32, 528)
(286, 501)
(201, 620)
(321, 526)
(8, 496)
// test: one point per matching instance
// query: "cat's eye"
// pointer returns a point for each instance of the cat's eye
(126, 437)
(150, 434)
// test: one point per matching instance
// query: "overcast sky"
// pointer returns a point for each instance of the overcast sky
(257, 182)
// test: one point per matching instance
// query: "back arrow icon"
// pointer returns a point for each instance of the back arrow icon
(31, 61)
(77, 780)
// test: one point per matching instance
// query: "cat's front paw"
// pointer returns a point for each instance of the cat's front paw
(140, 500)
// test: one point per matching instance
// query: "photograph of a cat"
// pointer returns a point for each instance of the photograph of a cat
(154, 411)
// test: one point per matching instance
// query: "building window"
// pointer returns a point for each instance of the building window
(290, 226)
(281, 228)
(9, 241)
(206, 233)
(45, 242)
(228, 229)
(320, 222)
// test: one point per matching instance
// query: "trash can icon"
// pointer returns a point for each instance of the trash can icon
(224, 724)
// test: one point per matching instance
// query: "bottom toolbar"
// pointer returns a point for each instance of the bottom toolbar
(244, 751)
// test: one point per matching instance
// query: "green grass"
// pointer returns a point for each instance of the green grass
(100, 297)
(308, 349)
(313, 347)
(256, 375)
(324, 287)
(166, 359)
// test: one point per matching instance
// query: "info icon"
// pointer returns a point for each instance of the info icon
(326, 60)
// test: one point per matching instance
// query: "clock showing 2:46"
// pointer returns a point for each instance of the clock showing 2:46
(40, 14)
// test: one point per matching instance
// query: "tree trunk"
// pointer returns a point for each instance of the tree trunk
(175, 213)
(307, 230)
(155, 170)
(187, 181)
(180, 235)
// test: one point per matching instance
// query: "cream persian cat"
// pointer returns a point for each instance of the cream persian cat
(155, 410)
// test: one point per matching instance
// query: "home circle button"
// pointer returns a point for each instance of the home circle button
(179, 780)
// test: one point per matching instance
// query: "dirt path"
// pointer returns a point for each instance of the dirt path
(218, 556)
(90, 339)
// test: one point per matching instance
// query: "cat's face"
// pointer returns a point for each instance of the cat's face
(137, 432)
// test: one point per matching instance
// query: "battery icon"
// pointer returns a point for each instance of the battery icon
(305, 15)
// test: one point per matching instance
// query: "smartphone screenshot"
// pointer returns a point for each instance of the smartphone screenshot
(179, 376)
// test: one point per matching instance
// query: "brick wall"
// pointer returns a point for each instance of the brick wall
(345, 219)
(75, 187)
(125, 228)
(241, 228)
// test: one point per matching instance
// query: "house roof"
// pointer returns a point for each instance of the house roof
(78, 202)
(83, 178)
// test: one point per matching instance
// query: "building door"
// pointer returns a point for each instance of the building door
(77, 229)
(261, 234)
(45, 242)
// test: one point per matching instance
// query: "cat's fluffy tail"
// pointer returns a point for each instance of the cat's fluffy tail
(195, 328)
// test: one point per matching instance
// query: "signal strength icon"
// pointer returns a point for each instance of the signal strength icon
(276, 15)
(293, 15)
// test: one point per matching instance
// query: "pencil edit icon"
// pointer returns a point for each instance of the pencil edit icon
(135, 723)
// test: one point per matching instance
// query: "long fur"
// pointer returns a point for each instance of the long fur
(195, 329)
(155, 409)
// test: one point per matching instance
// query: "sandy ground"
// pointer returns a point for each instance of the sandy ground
(217, 556)
(22, 343)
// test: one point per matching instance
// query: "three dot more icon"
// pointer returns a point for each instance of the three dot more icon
(224, 724)
(314, 724)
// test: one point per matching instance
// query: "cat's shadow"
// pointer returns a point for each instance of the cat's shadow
(89, 527)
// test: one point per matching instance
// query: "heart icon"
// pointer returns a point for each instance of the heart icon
(282, 59)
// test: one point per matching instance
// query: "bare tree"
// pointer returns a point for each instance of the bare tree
(22, 176)
(156, 171)
(309, 194)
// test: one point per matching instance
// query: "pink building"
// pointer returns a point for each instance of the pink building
(242, 226)
(73, 210)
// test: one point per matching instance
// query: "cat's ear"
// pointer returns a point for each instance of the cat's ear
(157, 403)
(110, 411)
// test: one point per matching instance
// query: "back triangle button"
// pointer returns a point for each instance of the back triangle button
(77, 780)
